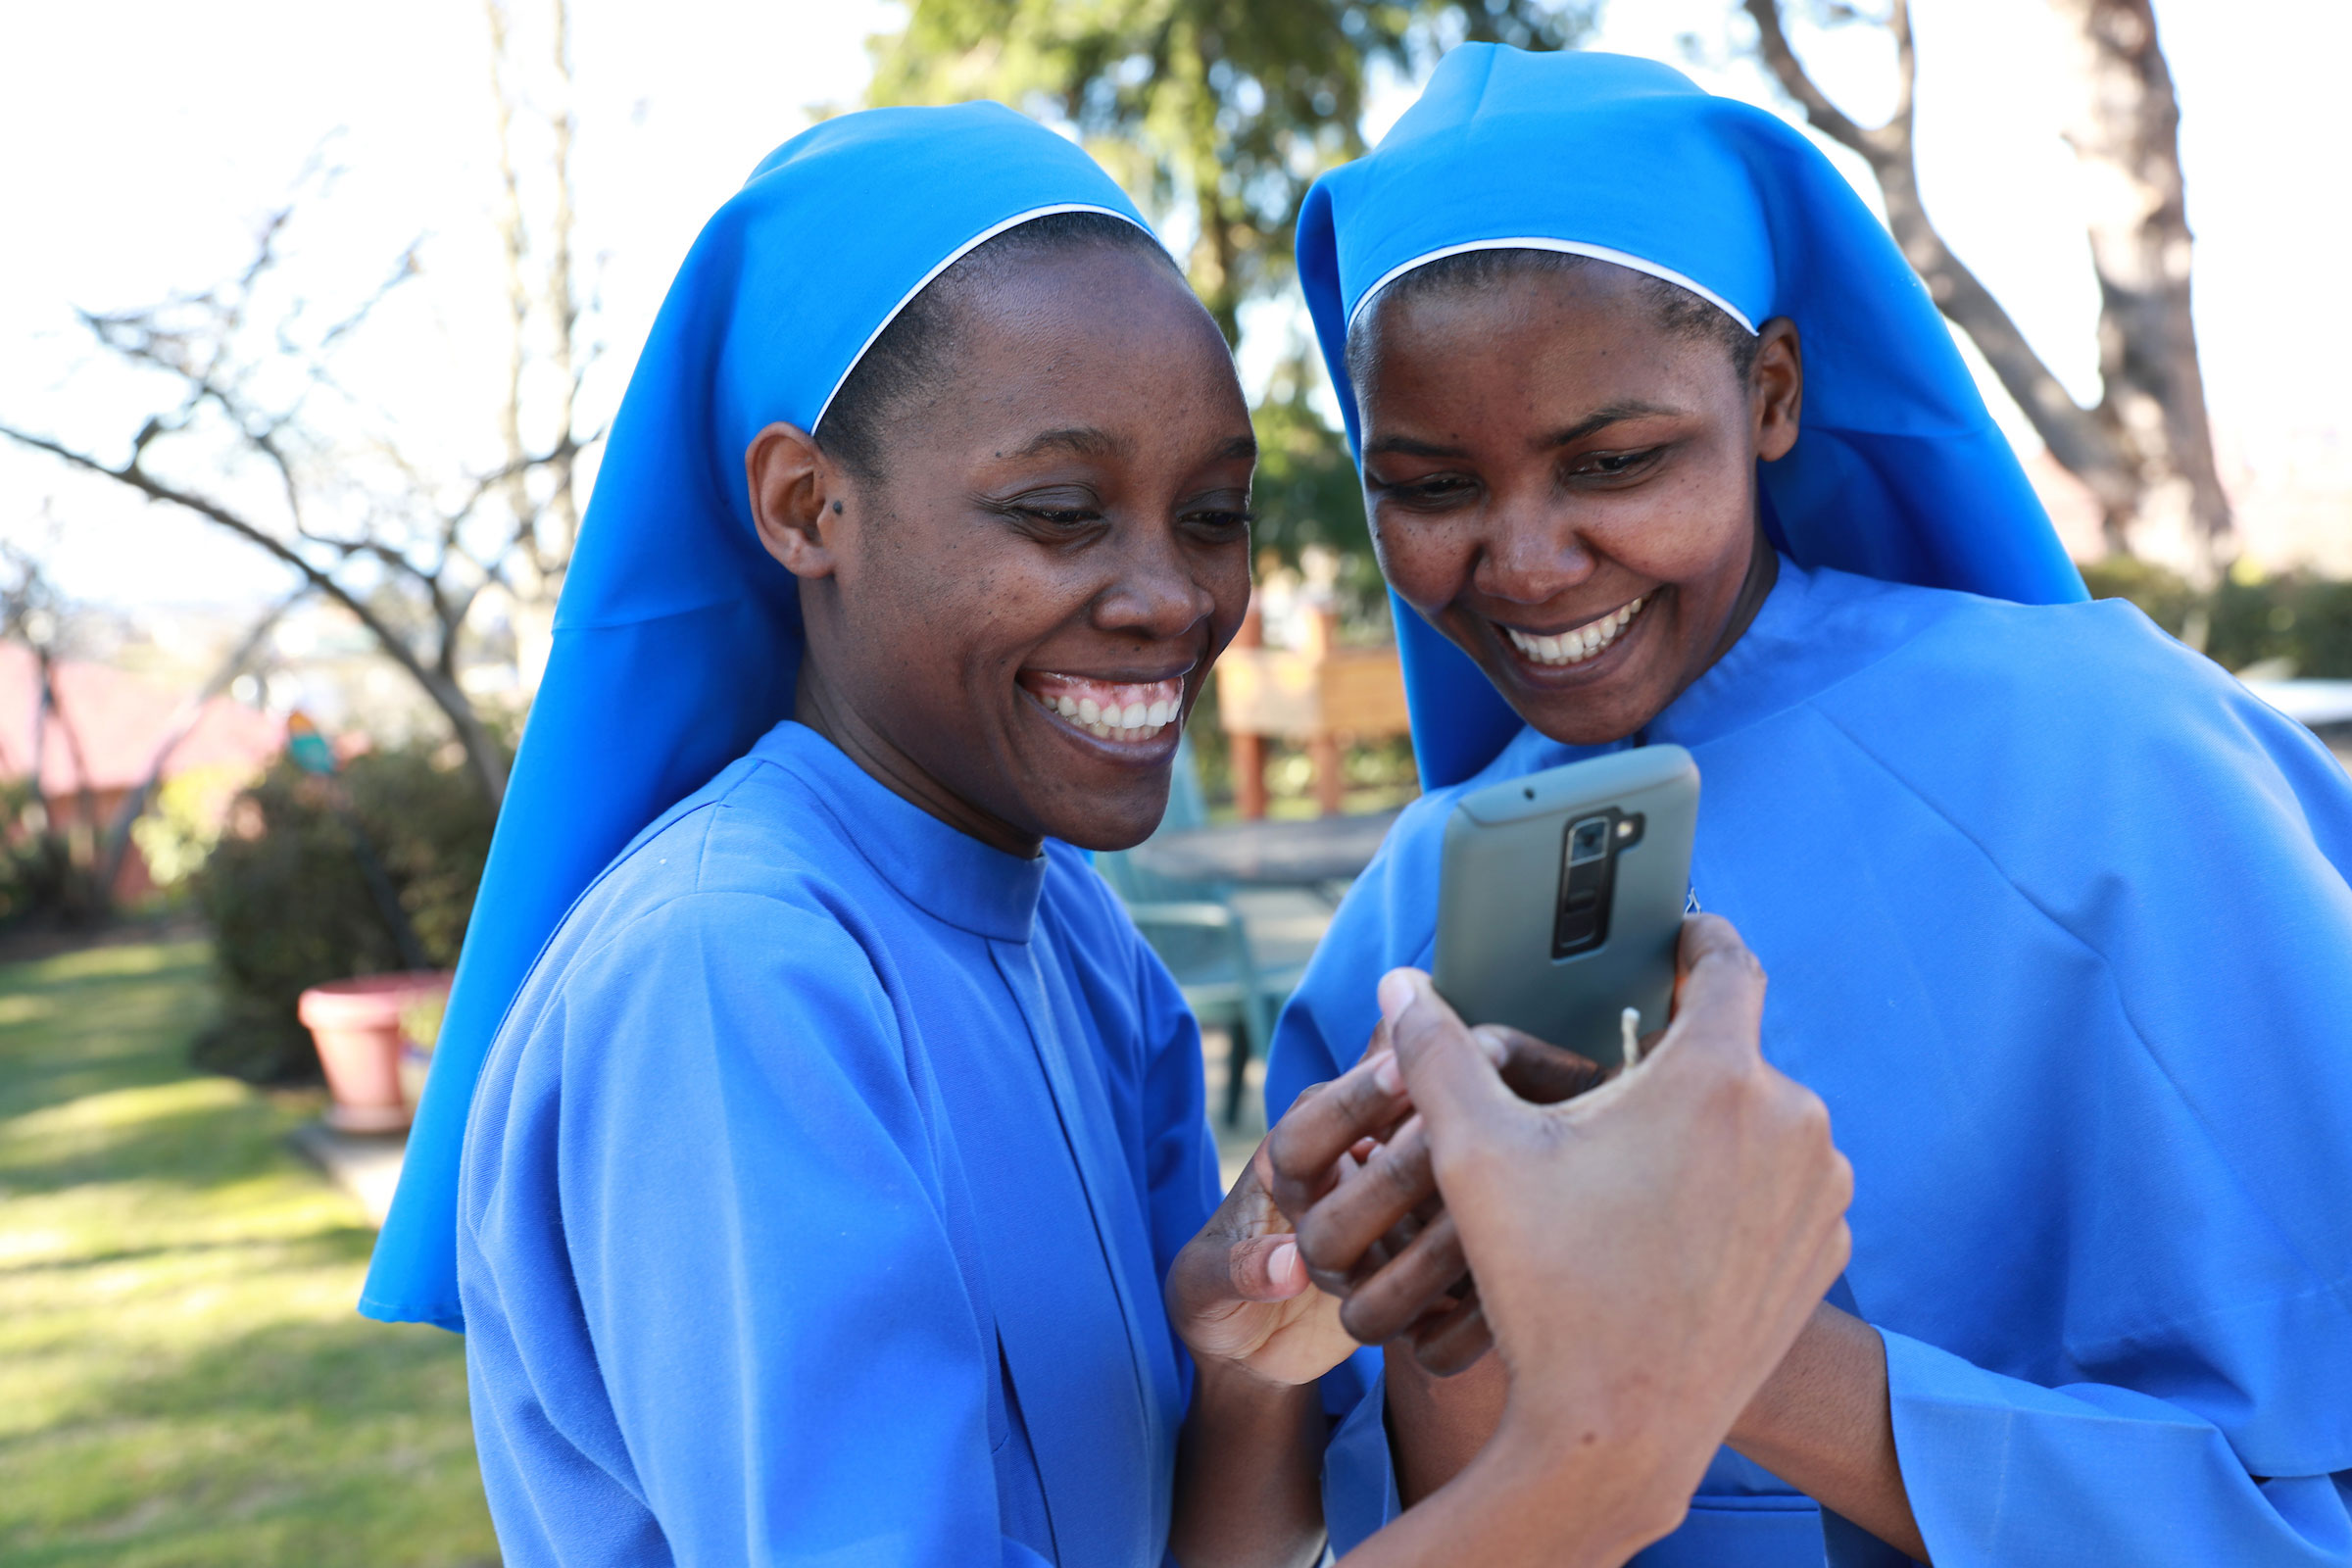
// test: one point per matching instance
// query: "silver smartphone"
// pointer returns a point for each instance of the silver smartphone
(1562, 895)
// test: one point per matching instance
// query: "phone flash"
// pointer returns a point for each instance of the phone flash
(1625, 827)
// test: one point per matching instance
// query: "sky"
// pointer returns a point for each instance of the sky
(150, 140)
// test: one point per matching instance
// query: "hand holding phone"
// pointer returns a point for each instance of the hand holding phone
(1562, 896)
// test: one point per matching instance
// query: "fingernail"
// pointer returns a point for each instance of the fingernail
(1283, 1267)
(1399, 988)
(1386, 1074)
(1496, 1051)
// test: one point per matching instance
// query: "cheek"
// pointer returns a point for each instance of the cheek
(1682, 530)
(1424, 560)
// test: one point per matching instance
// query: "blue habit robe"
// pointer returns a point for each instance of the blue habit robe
(816, 1194)
(2056, 920)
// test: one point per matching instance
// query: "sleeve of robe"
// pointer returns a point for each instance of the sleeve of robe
(1179, 1170)
(2208, 1417)
(1322, 1032)
(756, 1252)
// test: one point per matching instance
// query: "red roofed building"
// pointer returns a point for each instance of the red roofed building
(106, 736)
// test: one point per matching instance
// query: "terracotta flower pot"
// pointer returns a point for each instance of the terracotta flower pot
(356, 1026)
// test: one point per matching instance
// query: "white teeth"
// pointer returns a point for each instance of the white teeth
(1160, 712)
(1067, 708)
(1089, 711)
(1132, 718)
(1577, 646)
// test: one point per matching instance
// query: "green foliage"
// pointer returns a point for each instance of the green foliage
(289, 903)
(183, 1382)
(2294, 621)
(1223, 108)
(1307, 491)
(43, 882)
(178, 832)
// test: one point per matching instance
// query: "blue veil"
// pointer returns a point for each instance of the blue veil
(677, 639)
(1899, 473)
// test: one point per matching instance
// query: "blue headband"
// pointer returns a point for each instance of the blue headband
(1899, 473)
(677, 639)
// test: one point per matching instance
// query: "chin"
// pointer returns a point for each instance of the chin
(1595, 717)
(1116, 820)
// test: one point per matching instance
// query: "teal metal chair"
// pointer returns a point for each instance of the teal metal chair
(1202, 939)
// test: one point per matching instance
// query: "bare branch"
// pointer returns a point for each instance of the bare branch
(443, 689)
(2076, 436)
(1772, 42)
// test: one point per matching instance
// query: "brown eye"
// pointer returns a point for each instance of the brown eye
(1615, 465)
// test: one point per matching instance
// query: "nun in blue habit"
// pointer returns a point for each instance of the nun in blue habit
(813, 1198)
(2055, 914)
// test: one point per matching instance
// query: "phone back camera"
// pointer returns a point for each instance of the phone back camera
(1588, 882)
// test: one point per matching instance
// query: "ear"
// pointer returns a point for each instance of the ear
(1777, 388)
(797, 494)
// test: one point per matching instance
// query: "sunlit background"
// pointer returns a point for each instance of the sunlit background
(380, 272)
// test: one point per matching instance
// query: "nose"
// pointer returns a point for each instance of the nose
(1154, 593)
(1530, 554)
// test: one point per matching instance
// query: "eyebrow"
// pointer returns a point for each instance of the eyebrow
(1086, 441)
(1598, 419)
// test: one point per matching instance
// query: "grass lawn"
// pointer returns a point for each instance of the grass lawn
(182, 1379)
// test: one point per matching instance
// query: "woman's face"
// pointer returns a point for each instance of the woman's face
(1566, 488)
(1010, 622)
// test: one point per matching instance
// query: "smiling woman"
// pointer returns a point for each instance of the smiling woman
(1015, 596)
(837, 1178)
(1664, 443)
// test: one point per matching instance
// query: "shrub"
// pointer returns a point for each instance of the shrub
(289, 902)
(2296, 617)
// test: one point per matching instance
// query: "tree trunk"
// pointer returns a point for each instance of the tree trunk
(2126, 133)
(2146, 452)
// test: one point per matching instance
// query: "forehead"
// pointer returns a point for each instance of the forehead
(1095, 339)
(1588, 299)
(1533, 335)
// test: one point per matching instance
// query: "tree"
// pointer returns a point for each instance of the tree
(46, 866)
(2144, 449)
(249, 390)
(1221, 110)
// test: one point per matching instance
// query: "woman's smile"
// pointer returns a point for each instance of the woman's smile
(1131, 714)
(1581, 644)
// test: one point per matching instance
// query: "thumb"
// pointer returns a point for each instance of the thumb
(1266, 1269)
(1450, 1073)
(1719, 995)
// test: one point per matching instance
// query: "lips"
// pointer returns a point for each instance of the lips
(1578, 643)
(1122, 711)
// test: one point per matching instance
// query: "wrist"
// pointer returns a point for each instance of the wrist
(1218, 1381)
(1602, 1495)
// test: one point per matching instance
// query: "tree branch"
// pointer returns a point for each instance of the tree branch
(1772, 42)
(2075, 435)
(444, 691)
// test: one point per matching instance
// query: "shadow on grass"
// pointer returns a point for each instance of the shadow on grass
(183, 1382)
(293, 1443)
(104, 1018)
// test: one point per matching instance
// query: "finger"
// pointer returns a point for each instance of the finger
(1306, 1146)
(1449, 1072)
(1719, 994)
(1266, 1269)
(1408, 1285)
(1451, 1343)
(1371, 1201)
(1537, 1070)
